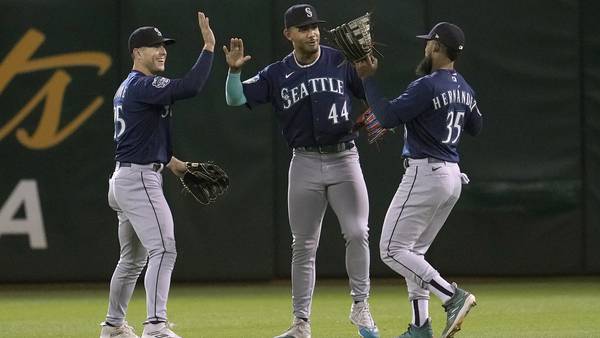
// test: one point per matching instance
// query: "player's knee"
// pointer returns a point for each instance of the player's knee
(391, 256)
(131, 267)
(358, 234)
(163, 253)
(303, 247)
(383, 254)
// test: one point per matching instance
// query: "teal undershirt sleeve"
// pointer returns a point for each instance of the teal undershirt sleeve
(234, 91)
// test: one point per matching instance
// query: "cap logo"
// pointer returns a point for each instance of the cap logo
(437, 36)
(157, 32)
(309, 13)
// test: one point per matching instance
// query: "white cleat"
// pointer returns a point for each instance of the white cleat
(299, 329)
(123, 331)
(361, 317)
(160, 330)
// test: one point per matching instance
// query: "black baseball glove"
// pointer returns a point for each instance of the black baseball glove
(205, 181)
(354, 38)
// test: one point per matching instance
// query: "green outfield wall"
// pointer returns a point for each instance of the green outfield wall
(532, 208)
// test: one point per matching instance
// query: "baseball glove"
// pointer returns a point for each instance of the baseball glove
(205, 181)
(354, 38)
(367, 120)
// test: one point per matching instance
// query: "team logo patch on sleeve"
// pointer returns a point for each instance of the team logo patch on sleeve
(251, 80)
(160, 82)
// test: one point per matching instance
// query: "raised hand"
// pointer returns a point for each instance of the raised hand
(207, 34)
(366, 67)
(235, 54)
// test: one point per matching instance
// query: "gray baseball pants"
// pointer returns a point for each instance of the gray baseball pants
(146, 234)
(421, 205)
(316, 180)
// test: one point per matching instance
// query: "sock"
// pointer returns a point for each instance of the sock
(420, 310)
(441, 288)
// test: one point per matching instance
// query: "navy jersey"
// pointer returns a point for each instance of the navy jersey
(312, 102)
(435, 110)
(142, 112)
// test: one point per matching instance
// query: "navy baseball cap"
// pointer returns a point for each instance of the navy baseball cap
(301, 15)
(147, 37)
(449, 34)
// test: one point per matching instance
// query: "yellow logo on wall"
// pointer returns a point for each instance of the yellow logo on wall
(18, 61)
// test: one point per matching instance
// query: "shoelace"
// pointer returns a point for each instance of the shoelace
(365, 315)
(126, 328)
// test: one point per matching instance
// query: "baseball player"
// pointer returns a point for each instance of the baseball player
(142, 116)
(310, 91)
(435, 110)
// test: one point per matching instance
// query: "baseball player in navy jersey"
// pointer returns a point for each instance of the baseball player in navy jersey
(435, 109)
(310, 90)
(142, 117)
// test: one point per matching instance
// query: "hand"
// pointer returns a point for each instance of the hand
(177, 166)
(235, 55)
(366, 67)
(207, 33)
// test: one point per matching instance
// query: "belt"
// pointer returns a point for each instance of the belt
(421, 160)
(328, 149)
(158, 167)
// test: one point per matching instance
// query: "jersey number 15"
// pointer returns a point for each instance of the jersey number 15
(119, 122)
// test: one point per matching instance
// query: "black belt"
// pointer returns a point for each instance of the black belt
(429, 160)
(328, 149)
(155, 166)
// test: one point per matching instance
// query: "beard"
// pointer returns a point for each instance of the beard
(424, 67)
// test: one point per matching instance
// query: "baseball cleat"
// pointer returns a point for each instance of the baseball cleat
(361, 317)
(457, 309)
(299, 329)
(159, 330)
(123, 331)
(423, 331)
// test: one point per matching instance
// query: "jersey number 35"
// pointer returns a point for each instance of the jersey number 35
(454, 126)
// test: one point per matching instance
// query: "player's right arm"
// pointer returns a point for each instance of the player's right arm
(399, 110)
(234, 90)
(251, 92)
(177, 166)
(392, 113)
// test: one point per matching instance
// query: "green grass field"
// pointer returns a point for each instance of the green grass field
(508, 308)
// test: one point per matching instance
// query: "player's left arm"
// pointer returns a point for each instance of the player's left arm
(474, 121)
(162, 90)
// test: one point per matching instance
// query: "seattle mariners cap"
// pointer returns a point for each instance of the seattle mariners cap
(449, 34)
(147, 37)
(301, 15)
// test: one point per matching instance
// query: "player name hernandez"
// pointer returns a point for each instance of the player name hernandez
(315, 85)
(454, 96)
